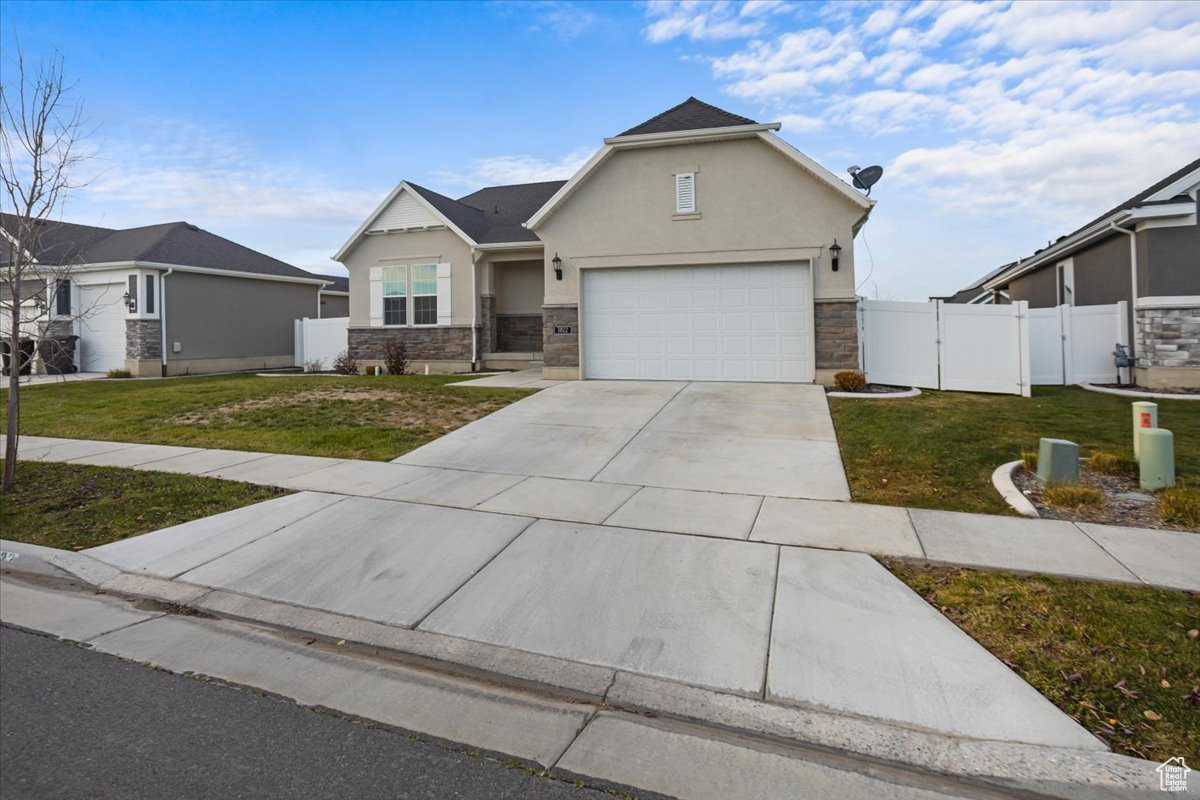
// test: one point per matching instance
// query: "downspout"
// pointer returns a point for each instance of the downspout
(474, 311)
(1133, 289)
(162, 315)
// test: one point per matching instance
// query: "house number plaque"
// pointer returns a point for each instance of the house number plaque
(564, 328)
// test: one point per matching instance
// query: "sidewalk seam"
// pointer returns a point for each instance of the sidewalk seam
(1111, 555)
(470, 577)
(771, 622)
(917, 533)
(757, 513)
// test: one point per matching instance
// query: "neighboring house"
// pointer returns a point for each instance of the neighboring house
(1146, 251)
(694, 246)
(217, 305)
(335, 296)
(975, 294)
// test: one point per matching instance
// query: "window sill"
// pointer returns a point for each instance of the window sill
(681, 217)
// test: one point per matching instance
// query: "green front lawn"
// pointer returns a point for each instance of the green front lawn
(75, 506)
(938, 450)
(1124, 661)
(376, 418)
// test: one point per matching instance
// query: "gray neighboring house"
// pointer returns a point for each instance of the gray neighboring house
(335, 296)
(976, 295)
(1146, 251)
(217, 305)
(697, 245)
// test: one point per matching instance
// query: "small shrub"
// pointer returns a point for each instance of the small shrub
(316, 365)
(395, 357)
(1029, 459)
(120, 373)
(1113, 463)
(1065, 495)
(345, 363)
(849, 380)
(1180, 506)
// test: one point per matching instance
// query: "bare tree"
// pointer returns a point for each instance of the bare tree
(41, 149)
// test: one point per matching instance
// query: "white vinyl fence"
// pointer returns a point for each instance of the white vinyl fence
(946, 345)
(320, 340)
(988, 348)
(1074, 344)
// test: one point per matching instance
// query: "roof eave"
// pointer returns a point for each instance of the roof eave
(699, 133)
(362, 229)
(1058, 250)
(820, 172)
(233, 273)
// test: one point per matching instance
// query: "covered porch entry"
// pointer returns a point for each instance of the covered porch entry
(511, 296)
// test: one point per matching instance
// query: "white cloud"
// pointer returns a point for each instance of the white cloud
(566, 20)
(934, 76)
(701, 20)
(501, 170)
(801, 123)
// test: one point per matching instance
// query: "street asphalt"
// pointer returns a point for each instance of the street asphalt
(75, 723)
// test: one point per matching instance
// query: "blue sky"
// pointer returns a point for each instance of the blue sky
(281, 125)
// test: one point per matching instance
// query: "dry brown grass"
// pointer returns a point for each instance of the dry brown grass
(1074, 496)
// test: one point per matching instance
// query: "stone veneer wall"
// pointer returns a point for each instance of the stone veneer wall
(489, 334)
(836, 326)
(424, 344)
(1168, 337)
(560, 349)
(519, 333)
(143, 340)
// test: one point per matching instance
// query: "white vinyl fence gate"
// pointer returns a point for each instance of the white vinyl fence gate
(320, 340)
(988, 348)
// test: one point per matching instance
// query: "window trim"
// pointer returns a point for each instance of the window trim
(148, 300)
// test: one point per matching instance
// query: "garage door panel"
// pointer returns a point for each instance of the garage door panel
(102, 327)
(730, 323)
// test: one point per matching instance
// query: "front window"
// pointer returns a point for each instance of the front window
(62, 298)
(424, 289)
(395, 295)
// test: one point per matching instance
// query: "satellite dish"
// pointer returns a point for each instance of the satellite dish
(866, 178)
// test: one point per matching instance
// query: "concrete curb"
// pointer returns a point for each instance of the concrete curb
(1091, 387)
(1049, 771)
(913, 392)
(1002, 480)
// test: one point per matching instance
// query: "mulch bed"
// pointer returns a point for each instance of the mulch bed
(1114, 511)
(1129, 387)
(875, 388)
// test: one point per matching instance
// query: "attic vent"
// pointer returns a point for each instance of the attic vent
(685, 193)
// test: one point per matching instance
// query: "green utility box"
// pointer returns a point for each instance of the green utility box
(1058, 461)
(1156, 466)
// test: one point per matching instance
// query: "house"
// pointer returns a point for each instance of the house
(1146, 251)
(217, 305)
(335, 296)
(697, 245)
(976, 295)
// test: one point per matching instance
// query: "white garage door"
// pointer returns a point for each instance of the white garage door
(734, 323)
(102, 327)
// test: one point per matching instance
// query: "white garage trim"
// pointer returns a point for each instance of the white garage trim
(733, 322)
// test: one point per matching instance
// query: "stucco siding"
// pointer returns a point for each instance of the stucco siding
(1169, 261)
(334, 306)
(754, 205)
(519, 288)
(412, 247)
(217, 317)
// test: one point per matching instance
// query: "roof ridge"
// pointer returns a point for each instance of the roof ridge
(168, 229)
(691, 99)
(424, 189)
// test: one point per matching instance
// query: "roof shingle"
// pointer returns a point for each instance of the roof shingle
(690, 115)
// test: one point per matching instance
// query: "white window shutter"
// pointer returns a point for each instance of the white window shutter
(376, 296)
(685, 193)
(443, 295)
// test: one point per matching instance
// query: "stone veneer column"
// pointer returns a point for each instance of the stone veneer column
(836, 325)
(489, 339)
(1168, 347)
(560, 351)
(143, 347)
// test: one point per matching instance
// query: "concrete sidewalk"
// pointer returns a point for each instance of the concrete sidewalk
(1098, 552)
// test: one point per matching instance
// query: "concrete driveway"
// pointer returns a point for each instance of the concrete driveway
(775, 440)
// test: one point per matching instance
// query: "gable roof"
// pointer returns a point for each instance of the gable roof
(690, 115)
(173, 243)
(491, 215)
(1169, 190)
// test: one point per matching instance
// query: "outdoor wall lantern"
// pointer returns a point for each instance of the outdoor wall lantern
(835, 251)
(557, 262)
(130, 302)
